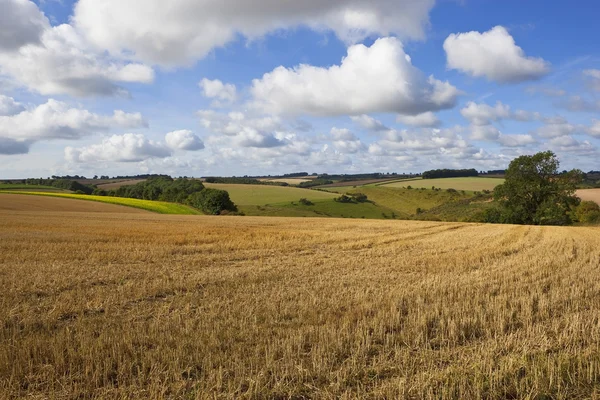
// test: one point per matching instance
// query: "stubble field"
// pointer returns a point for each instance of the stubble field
(128, 306)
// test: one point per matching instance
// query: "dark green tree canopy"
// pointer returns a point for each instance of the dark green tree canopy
(535, 193)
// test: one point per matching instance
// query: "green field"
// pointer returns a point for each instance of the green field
(260, 195)
(404, 202)
(160, 207)
(11, 186)
(471, 184)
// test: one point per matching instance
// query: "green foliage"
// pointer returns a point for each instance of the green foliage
(535, 193)
(161, 189)
(315, 182)
(64, 184)
(344, 199)
(211, 201)
(587, 212)
(449, 173)
(305, 202)
(242, 181)
(352, 198)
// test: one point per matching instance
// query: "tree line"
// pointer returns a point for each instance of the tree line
(184, 191)
(449, 173)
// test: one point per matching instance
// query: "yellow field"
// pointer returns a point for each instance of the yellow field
(589, 195)
(470, 184)
(154, 306)
(22, 202)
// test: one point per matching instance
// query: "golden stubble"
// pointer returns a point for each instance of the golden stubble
(154, 306)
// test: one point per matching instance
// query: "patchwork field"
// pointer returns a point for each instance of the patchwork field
(21, 202)
(589, 195)
(470, 184)
(160, 207)
(160, 306)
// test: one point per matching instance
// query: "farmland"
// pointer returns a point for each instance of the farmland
(21, 202)
(153, 306)
(469, 184)
(160, 207)
(258, 195)
(589, 195)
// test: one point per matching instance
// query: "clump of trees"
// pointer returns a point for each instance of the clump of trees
(449, 173)
(535, 193)
(184, 191)
(242, 181)
(352, 198)
(65, 184)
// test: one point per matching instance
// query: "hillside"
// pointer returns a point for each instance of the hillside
(197, 306)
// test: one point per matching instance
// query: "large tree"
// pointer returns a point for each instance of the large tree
(536, 193)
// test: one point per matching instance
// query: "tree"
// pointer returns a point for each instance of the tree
(211, 201)
(535, 193)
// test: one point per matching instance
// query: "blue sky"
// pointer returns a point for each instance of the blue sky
(201, 88)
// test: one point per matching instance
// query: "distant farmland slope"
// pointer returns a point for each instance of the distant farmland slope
(154, 306)
(263, 194)
(19, 202)
(160, 207)
(589, 194)
(470, 184)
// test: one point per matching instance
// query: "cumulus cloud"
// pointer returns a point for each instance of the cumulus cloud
(594, 129)
(56, 59)
(426, 119)
(57, 120)
(345, 141)
(129, 147)
(546, 91)
(379, 78)
(183, 140)
(8, 106)
(224, 93)
(261, 132)
(494, 55)
(21, 23)
(572, 145)
(180, 32)
(369, 123)
(483, 114)
(556, 130)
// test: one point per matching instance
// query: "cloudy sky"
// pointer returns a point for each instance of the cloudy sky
(236, 87)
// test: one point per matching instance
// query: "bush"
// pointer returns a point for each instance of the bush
(359, 197)
(587, 212)
(451, 190)
(211, 201)
(306, 202)
(343, 199)
(99, 192)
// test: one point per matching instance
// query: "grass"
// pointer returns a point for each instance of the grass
(471, 184)
(10, 186)
(322, 208)
(260, 195)
(160, 207)
(404, 202)
(159, 306)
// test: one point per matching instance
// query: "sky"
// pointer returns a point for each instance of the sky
(268, 87)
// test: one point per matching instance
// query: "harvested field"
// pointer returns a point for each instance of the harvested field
(22, 202)
(589, 195)
(161, 306)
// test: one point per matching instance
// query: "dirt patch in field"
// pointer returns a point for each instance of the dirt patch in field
(116, 185)
(589, 195)
(21, 202)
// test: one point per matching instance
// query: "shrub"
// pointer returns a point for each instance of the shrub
(305, 202)
(359, 197)
(343, 199)
(587, 212)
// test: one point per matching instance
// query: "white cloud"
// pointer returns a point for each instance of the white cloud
(369, 123)
(21, 23)
(182, 31)
(379, 78)
(494, 55)
(346, 142)
(426, 119)
(580, 104)
(571, 145)
(57, 120)
(483, 114)
(593, 73)
(183, 140)
(8, 106)
(60, 61)
(215, 89)
(516, 140)
(546, 91)
(129, 147)
(594, 129)
(262, 132)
